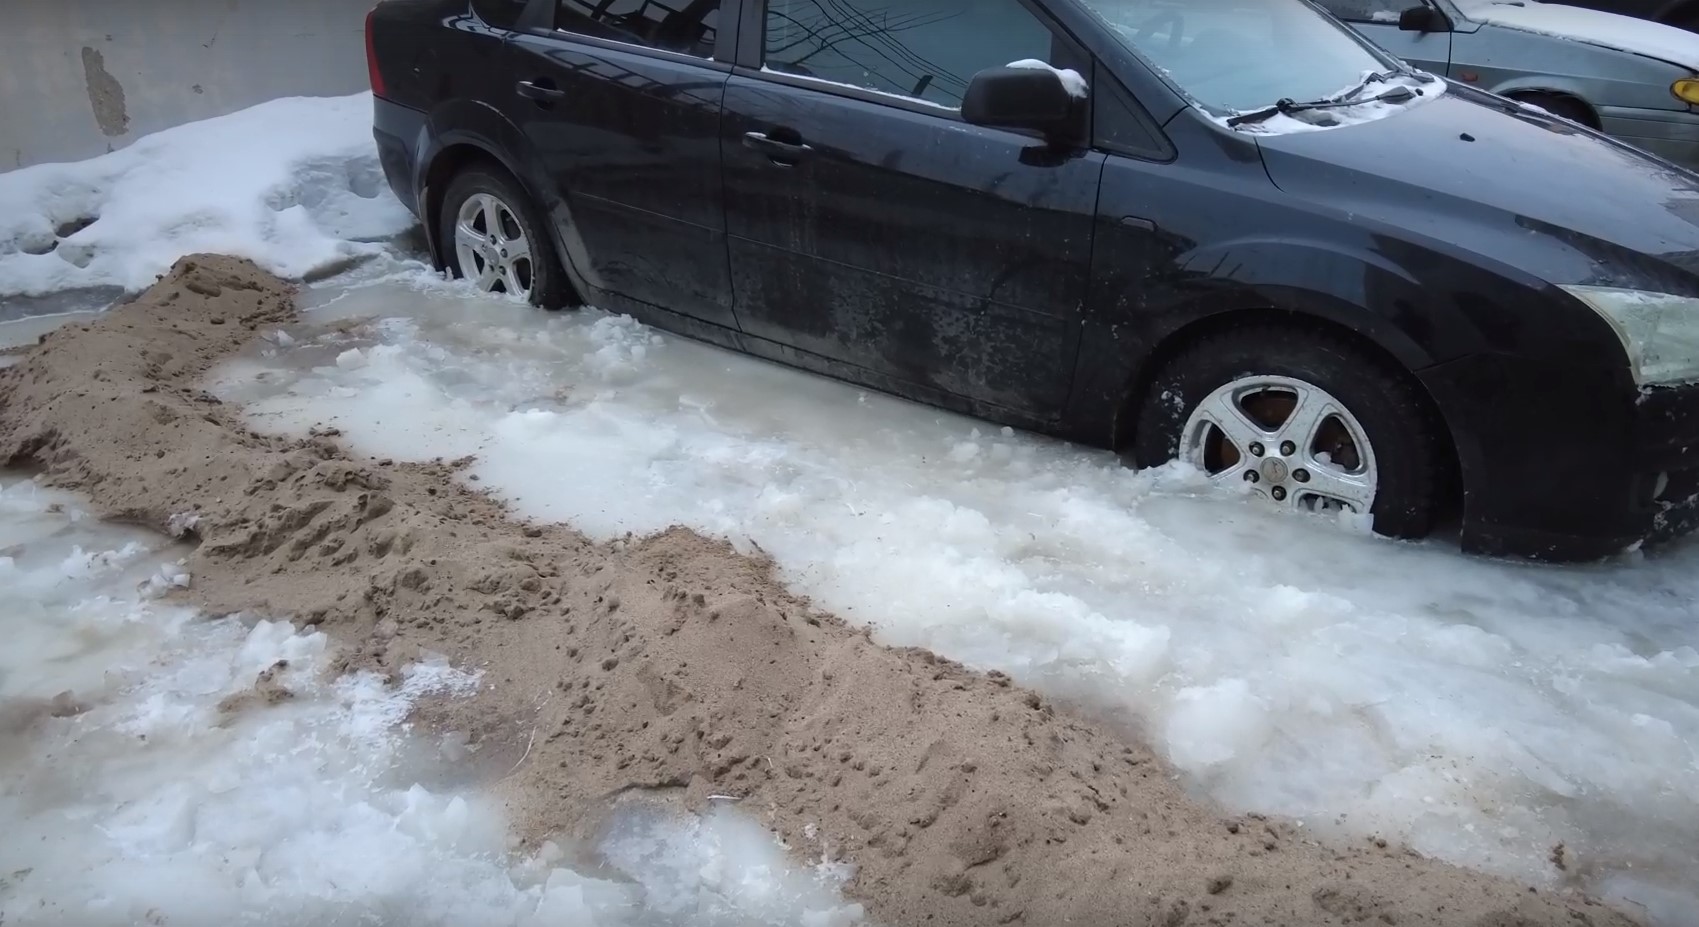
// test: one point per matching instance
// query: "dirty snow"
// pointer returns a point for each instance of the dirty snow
(127, 797)
(293, 184)
(1484, 711)
(1594, 27)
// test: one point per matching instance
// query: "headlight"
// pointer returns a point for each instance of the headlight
(1686, 90)
(1660, 332)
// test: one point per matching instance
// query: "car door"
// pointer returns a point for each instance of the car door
(870, 226)
(620, 101)
(1377, 21)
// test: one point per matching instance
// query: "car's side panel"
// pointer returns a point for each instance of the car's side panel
(632, 144)
(1507, 61)
(910, 244)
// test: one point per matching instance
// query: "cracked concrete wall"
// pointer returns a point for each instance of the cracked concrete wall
(82, 77)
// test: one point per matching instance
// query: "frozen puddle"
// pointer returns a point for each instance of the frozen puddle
(155, 792)
(1485, 712)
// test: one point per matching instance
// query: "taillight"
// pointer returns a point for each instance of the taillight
(372, 57)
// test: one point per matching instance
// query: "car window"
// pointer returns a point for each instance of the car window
(686, 26)
(925, 49)
(1368, 11)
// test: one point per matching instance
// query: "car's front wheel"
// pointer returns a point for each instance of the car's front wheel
(493, 237)
(1302, 419)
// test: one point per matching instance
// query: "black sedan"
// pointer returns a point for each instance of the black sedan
(1225, 231)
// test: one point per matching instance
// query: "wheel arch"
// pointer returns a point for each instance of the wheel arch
(460, 133)
(1205, 326)
(1522, 88)
(454, 156)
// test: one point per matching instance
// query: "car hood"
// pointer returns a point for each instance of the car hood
(1507, 183)
(1594, 27)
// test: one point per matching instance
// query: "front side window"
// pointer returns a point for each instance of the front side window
(925, 49)
(1240, 55)
(686, 26)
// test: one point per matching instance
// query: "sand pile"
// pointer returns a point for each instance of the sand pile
(672, 666)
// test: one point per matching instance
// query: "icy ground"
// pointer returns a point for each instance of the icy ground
(1486, 712)
(136, 800)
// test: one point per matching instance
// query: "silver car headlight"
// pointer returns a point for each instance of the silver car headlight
(1659, 331)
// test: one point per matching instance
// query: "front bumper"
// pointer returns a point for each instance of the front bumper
(1670, 134)
(1568, 465)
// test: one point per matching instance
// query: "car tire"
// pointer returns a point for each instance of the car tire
(1257, 370)
(473, 198)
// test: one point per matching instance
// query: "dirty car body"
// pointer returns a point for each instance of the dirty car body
(1099, 243)
(1633, 79)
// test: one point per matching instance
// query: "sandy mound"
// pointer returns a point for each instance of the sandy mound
(671, 665)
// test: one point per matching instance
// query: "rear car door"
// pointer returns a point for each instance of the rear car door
(869, 225)
(1377, 21)
(620, 101)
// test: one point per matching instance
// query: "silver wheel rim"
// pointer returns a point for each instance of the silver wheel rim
(492, 248)
(1296, 445)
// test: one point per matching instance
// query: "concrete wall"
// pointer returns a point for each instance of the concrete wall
(79, 78)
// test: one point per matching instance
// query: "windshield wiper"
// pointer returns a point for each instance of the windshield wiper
(1377, 77)
(1288, 106)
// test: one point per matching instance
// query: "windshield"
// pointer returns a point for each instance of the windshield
(1238, 55)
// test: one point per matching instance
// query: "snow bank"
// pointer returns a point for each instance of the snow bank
(1594, 27)
(293, 184)
(137, 798)
(1486, 712)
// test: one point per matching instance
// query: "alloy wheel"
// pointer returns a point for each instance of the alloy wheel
(1295, 444)
(492, 247)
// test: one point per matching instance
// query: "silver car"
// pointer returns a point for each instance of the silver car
(1634, 79)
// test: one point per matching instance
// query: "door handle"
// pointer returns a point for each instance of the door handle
(781, 152)
(536, 90)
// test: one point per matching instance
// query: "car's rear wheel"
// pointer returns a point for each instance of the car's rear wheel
(1305, 420)
(493, 237)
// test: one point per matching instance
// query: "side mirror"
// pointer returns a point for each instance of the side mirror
(1422, 18)
(1023, 97)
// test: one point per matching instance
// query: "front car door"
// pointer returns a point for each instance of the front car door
(1377, 21)
(620, 101)
(874, 233)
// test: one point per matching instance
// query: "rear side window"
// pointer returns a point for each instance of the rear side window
(926, 49)
(686, 26)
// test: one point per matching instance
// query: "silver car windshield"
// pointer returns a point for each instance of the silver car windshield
(1239, 55)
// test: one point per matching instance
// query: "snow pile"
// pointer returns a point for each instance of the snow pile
(136, 787)
(1486, 712)
(293, 184)
(1594, 27)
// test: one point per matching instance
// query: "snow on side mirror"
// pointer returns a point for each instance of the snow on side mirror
(1025, 95)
